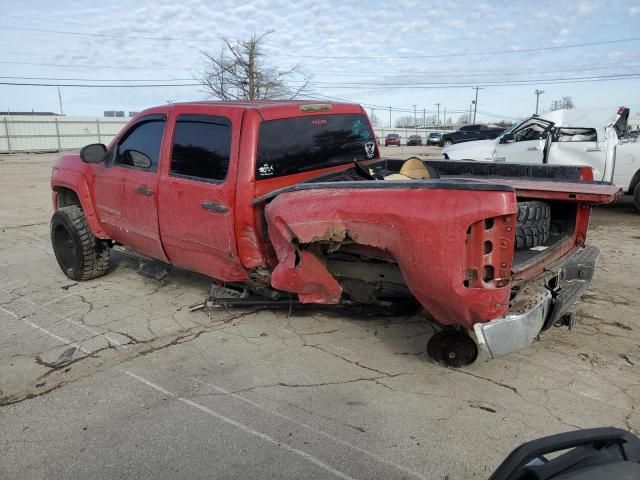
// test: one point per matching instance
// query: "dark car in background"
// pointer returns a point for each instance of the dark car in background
(392, 139)
(469, 133)
(434, 138)
(414, 140)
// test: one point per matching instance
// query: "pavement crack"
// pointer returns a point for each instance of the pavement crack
(352, 362)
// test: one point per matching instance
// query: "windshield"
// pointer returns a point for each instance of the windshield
(295, 145)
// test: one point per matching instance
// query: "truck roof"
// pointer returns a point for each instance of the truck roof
(271, 109)
(582, 118)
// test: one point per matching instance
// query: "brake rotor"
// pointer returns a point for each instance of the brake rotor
(452, 348)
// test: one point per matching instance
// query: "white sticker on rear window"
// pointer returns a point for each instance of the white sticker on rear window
(370, 149)
(266, 170)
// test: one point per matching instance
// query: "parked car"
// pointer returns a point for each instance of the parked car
(566, 137)
(434, 138)
(469, 133)
(293, 201)
(392, 139)
(414, 140)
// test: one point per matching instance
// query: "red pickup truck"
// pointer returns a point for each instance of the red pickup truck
(293, 197)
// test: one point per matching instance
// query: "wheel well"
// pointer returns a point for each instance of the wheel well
(67, 197)
(635, 180)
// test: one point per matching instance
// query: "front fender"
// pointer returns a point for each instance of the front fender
(77, 182)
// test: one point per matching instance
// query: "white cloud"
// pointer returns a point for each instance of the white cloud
(634, 10)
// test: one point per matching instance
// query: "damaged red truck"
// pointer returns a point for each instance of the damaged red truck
(292, 197)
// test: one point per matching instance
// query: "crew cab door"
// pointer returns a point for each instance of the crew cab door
(126, 187)
(525, 144)
(197, 193)
(580, 146)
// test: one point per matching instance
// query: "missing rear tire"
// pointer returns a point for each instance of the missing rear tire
(452, 348)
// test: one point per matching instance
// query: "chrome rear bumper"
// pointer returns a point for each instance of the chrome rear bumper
(540, 303)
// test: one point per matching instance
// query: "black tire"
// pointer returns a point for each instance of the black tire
(636, 196)
(534, 222)
(79, 253)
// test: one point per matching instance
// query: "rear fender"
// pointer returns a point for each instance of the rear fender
(425, 230)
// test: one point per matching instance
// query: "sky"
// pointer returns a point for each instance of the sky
(405, 54)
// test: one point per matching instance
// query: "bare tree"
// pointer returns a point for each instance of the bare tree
(406, 121)
(431, 120)
(464, 118)
(238, 72)
(565, 102)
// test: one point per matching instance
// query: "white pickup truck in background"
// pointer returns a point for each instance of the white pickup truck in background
(566, 137)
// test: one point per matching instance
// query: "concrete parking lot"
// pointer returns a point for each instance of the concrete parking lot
(155, 391)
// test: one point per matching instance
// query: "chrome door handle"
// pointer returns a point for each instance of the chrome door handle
(143, 190)
(533, 148)
(214, 207)
(593, 149)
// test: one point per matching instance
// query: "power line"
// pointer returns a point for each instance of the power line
(506, 82)
(344, 86)
(113, 67)
(85, 85)
(289, 54)
(450, 73)
(100, 79)
(497, 83)
(105, 35)
(471, 54)
(42, 19)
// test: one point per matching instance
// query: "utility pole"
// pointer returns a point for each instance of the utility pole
(424, 117)
(470, 110)
(537, 93)
(415, 118)
(438, 117)
(60, 101)
(389, 117)
(444, 118)
(475, 103)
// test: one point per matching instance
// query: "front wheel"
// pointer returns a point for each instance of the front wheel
(79, 253)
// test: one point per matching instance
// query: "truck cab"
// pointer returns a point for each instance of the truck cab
(595, 138)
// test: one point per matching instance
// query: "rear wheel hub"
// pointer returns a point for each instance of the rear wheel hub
(452, 348)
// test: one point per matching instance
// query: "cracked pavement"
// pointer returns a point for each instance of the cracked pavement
(154, 390)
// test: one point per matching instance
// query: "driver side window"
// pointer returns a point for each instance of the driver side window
(532, 131)
(140, 148)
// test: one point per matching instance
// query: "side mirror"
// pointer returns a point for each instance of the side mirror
(507, 138)
(94, 153)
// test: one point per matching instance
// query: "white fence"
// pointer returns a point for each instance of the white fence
(35, 133)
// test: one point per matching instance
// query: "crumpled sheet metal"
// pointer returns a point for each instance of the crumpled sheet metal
(423, 229)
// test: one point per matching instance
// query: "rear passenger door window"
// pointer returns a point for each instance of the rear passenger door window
(576, 135)
(201, 147)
